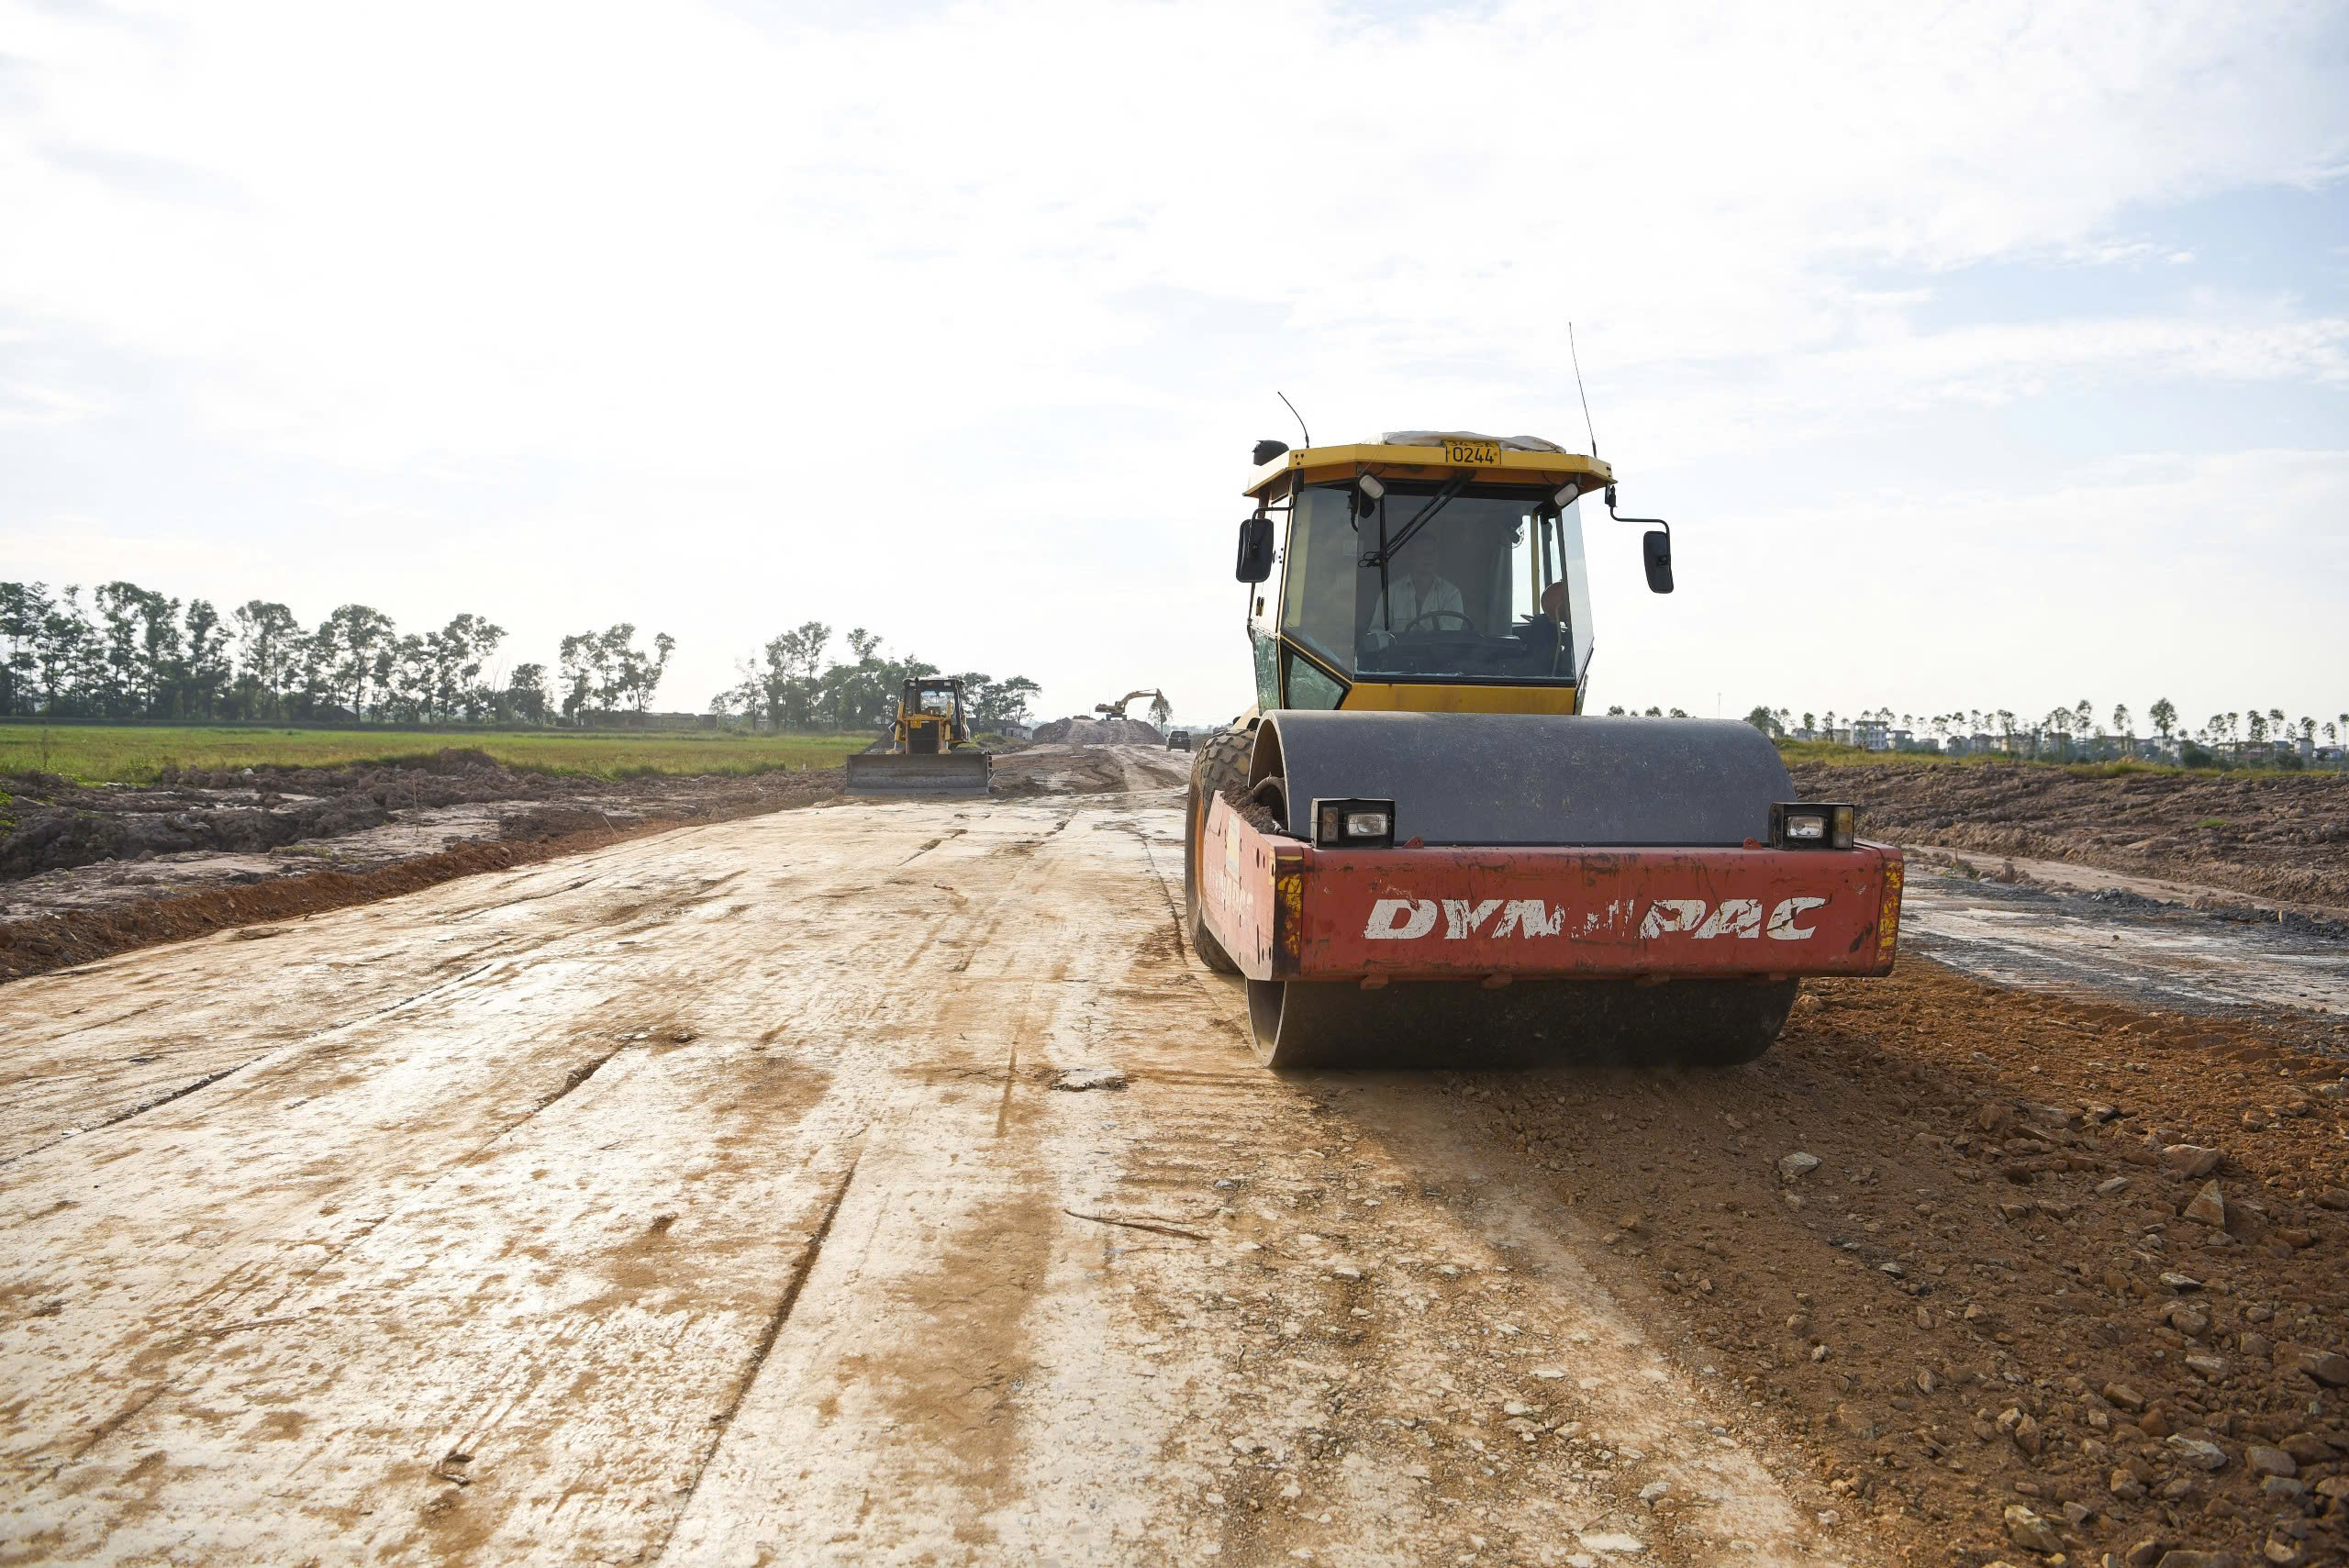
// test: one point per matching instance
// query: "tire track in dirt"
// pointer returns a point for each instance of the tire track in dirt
(807, 1260)
(913, 1322)
(1351, 1429)
(104, 1119)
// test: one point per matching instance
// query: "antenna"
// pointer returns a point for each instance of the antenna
(1576, 357)
(1301, 419)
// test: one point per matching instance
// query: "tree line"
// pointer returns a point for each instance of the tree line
(125, 651)
(790, 684)
(2079, 731)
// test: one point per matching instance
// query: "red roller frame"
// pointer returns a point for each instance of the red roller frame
(1285, 910)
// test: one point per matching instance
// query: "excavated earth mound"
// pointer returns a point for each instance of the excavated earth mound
(2273, 835)
(1076, 731)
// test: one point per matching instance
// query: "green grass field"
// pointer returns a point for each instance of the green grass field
(139, 753)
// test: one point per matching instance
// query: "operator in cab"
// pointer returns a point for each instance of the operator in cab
(1547, 630)
(1420, 593)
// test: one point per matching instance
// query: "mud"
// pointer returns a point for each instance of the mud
(125, 867)
(2280, 835)
(36, 945)
(2117, 944)
(196, 828)
(2135, 891)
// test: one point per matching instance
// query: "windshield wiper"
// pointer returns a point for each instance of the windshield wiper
(1442, 498)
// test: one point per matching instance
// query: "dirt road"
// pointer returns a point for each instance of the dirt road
(713, 1199)
(887, 1183)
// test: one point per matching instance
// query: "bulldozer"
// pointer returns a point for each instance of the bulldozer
(929, 750)
(1418, 848)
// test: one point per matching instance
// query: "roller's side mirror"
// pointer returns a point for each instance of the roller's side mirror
(1255, 561)
(1655, 546)
(1655, 549)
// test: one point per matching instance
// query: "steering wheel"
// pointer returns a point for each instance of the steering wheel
(1423, 618)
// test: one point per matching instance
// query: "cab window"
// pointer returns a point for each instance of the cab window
(1436, 582)
(1310, 686)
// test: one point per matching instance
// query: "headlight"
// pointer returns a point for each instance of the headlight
(1796, 825)
(1354, 824)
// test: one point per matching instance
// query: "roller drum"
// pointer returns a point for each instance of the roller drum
(1485, 778)
(1718, 1023)
(1523, 779)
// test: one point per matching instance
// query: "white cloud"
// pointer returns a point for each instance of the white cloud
(2215, 581)
(764, 312)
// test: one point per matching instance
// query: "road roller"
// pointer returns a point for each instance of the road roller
(1419, 849)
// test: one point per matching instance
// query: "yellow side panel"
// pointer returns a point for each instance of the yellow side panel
(1418, 697)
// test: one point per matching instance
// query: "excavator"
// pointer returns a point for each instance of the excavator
(929, 750)
(1418, 848)
(1160, 710)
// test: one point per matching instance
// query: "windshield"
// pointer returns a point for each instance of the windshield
(1438, 585)
(937, 700)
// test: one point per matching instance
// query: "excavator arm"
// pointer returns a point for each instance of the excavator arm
(1160, 709)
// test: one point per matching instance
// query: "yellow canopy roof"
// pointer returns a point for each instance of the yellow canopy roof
(1491, 459)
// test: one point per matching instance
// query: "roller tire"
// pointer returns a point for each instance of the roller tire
(1221, 760)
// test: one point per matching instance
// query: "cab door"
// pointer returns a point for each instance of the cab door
(1264, 644)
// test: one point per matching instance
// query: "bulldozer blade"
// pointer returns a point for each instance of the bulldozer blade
(904, 772)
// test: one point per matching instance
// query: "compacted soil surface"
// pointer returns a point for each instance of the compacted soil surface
(2275, 836)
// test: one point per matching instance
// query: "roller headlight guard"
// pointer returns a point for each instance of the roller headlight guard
(1354, 824)
(1810, 825)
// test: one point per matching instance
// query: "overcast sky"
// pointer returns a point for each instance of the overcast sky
(1983, 355)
